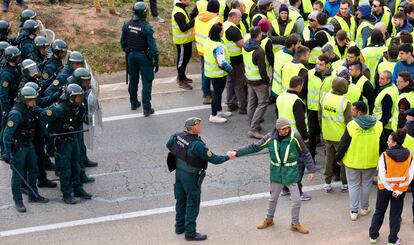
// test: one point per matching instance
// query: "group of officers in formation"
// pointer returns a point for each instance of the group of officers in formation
(343, 74)
(43, 106)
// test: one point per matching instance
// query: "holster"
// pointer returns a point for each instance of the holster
(201, 175)
(171, 162)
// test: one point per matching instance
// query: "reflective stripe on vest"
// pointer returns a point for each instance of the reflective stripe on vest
(232, 47)
(408, 96)
(372, 56)
(386, 17)
(282, 59)
(284, 104)
(276, 29)
(257, 15)
(350, 30)
(180, 37)
(396, 173)
(317, 51)
(361, 155)
(358, 38)
(306, 33)
(286, 155)
(392, 91)
(211, 68)
(386, 66)
(316, 89)
(333, 121)
(251, 70)
(201, 31)
(336, 49)
(290, 70)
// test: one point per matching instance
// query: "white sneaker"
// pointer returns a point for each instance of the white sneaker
(217, 119)
(224, 113)
(344, 188)
(327, 187)
(354, 216)
(158, 19)
(364, 212)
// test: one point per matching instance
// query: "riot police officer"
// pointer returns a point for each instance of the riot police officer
(40, 51)
(5, 31)
(53, 64)
(189, 155)
(139, 45)
(27, 36)
(3, 46)
(27, 14)
(9, 84)
(18, 137)
(65, 120)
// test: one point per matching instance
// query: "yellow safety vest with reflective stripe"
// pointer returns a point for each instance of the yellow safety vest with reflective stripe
(317, 51)
(248, 7)
(307, 6)
(251, 70)
(333, 121)
(386, 66)
(336, 49)
(180, 37)
(393, 92)
(372, 56)
(201, 5)
(284, 104)
(408, 96)
(271, 15)
(363, 151)
(350, 30)
(257, 15)
(276, 29)
(360, 83)
(386, 17)
(202, 29)
(354, 93)
(211, 68)
(358, 38)
(286, 155)
(290, 70)
(316, 89)
(232, 47)
(282, 59)
(409, 143)
(306, 33)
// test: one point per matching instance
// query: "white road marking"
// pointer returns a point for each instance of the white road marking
(144, 213)
(110, 173)
(162, 112)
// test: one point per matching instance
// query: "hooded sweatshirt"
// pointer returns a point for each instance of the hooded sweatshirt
(320, 37)
(259, 59)
(404, 105)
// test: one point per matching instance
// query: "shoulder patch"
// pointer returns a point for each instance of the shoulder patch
(56, 82)
(10, 124)
(46, 76)
(49, 113)
(209, 153)
(5, 84)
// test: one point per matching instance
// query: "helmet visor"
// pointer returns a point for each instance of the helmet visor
(32, 70)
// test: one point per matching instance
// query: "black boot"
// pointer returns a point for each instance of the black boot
(85, 179)
(20, 207)
(38, 199)
(197, 237)
(46, 183)
(49, 166)
(89, 163)
(24, 190)
(83, 194)
(69, 200)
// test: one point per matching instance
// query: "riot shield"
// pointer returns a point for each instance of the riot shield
(49, 34)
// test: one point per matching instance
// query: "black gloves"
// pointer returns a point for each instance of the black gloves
(6, 158)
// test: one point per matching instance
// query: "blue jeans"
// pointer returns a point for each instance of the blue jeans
(205, 82)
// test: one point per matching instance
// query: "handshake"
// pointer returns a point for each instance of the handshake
(232, 155)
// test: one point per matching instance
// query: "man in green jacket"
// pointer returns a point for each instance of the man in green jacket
(286, 148)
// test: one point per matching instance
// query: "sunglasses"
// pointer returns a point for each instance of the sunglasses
(376, 6)
(310, 20)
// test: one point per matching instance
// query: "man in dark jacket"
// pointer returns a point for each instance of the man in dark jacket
(367, 90)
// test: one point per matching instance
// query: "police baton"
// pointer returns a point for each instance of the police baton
(69, 133)
(24, 181)
(126, 65)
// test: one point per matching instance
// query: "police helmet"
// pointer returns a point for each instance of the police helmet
(59, 45)
(33, 85)
(3, 46)
(41, 41)
(31, 26)
(76, 57)
(4, 28)
(27, 93)
(27, 14)
(73, 89)
(11, 53)
(29, 68)
(81, 74)
(140, 9)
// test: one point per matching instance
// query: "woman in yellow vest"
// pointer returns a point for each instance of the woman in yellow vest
(281, 28)
(395, 172)
(216, 67)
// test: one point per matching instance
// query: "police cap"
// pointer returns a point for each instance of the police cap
(192, 121)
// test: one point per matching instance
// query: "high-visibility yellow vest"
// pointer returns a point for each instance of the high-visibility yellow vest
(386, 66)
(211, 68)
(290, 70)
(409, 143)
(294, 15)
(360, 154)
(397, 3)
(180, 37)
(317, 51)
(201, 32)
(336, 49)
(316, 89)
(410, 98)
(350, 30)
(288, 31)
(248, 7)
(282, 59)
(354, 93)
(232, 47)
(307, 6)
(201, 5)
(256, 16)
(284, 104)
(251, 70)
(358, 38)
(372, 56)
(392, 91)
(271, 15)
(333, 121)
(243, 28)
(306, 33)
(386, 17)
(360, 83)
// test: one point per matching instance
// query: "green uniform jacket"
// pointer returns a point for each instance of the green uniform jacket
(279, 173)
(196, 149)
(52, 67)
(9, 83)
(61, 80)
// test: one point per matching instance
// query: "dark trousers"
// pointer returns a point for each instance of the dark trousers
(42, 158)
(383, 198)
(82, 153)
(314, 131)
(218, 85)
(138, 63)
(187, 195)
(183, 57)
(236, 93)
(153, 7)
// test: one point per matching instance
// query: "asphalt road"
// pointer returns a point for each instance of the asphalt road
(132, 177)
